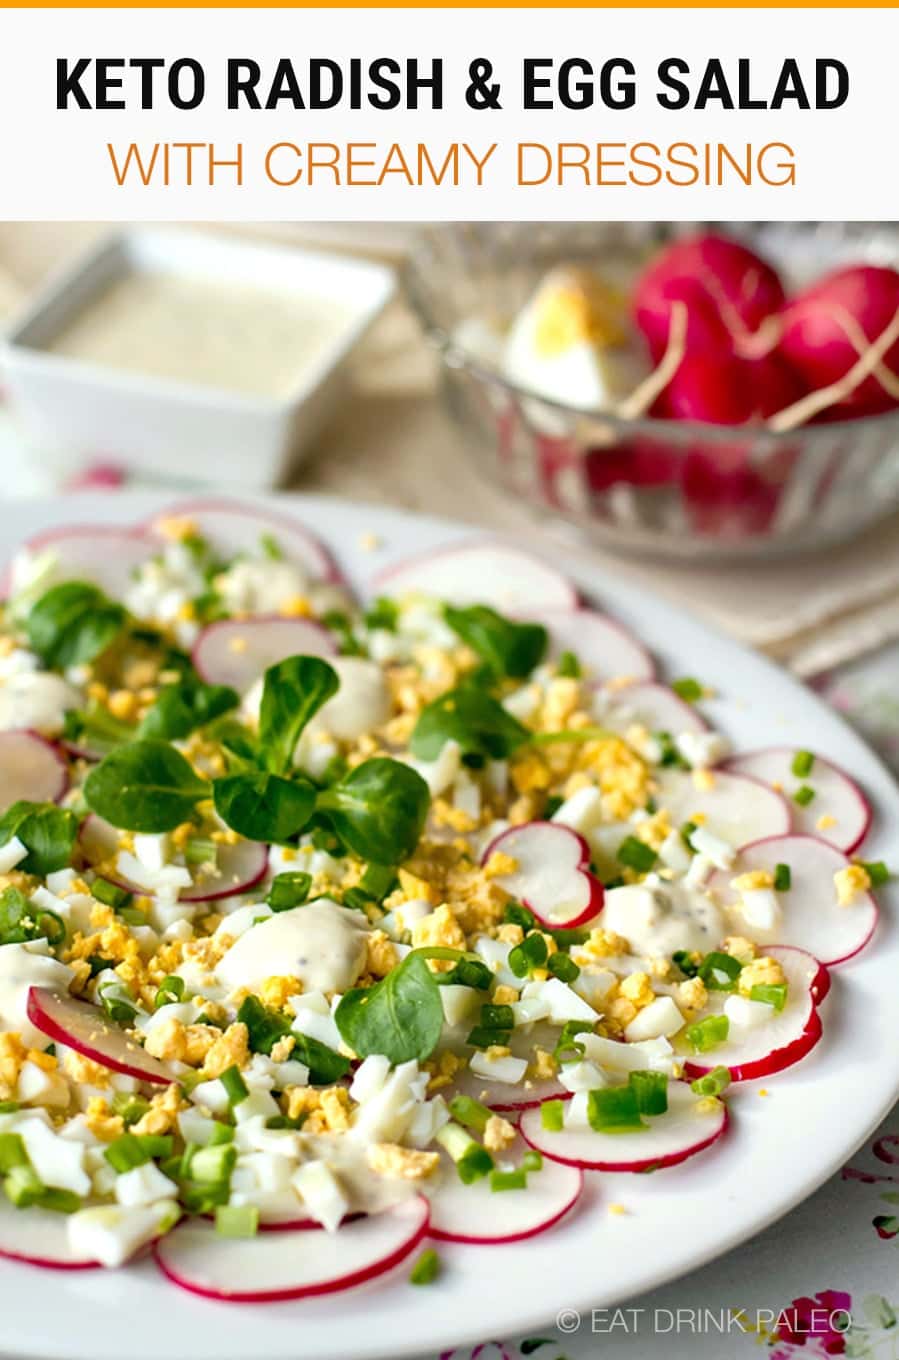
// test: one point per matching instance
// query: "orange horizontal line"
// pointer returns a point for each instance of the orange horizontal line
(468, 4)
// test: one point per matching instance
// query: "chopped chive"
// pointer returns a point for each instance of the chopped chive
(783, 878)
(236, 1220)
(213, 1163)
(170, 989)
(383, 614)
(614, 1109)
(803, 761)
(532, 1160)
(58, 1201)
(288, 890)
(426, 1268)
(770, 993)
(876, 870)
(271, 547)
(720, 971)
(551, 806)
(712, 1083)
(378, 881)
(531, 953)
(686, 962)
(552, 1115)
(470, 1112)
(126, 1153)
(568, 665)
(156, 1144)
(235, 1086)
(221, 1133)
(567, 1048)
(687, 688)
(9, 1106)
(517, 915)
(130, 1107)
(707, 1034)
(200, 850)
(23, 1187)
(651, 1091)
(472, 1160)
(563, 967)
(636, 854)
(110, 894)
(508, 1180)
(803, 795)
(12, 1152)
(686, 832)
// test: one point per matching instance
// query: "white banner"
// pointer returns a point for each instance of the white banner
(424, 114)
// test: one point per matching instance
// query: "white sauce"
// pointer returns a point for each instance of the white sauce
(37, 700)
(22, 967)
(224, 335)
(658, 919)
(260, 586)
(322, 944)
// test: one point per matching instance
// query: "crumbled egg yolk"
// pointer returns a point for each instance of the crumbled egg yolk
(408, 1164)
(498, 1133)
(753, 881)
(578, 309)
(850, 883)
(739, 948)
(764, 972)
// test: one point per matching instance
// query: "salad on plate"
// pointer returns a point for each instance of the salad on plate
(334, 928)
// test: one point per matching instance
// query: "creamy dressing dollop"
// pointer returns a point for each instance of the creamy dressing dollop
(658, 918)
(361, 703)
(322, 944)
(22, 967)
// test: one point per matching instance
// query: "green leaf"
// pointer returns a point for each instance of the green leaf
(21, 920)
(264, 1027)
(95, 729)
(180, 709)
(293, 692)
(480, 725)
(325, 1066)
(47, 831)
(238, 741)
(378, 809)
(72, 624)
(263, 806)
(508, 648)
(145, 786)
(400, 1017)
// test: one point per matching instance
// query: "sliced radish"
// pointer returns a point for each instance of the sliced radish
(669, 1138)
(85, 1028)
(238, 651)
(655, 707)
(761, 1050)
(476, 1214)
(238, 867)
(38, 1238)
(30, 768)
(838, 802)
(230, 528)
(99, 553)
(552, 877)
(812, 917)
(506, 1097)
(487, 572)
(604, 647)
(736, 808)
(290, 1265)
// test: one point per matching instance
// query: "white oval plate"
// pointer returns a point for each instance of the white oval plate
(780, 1147)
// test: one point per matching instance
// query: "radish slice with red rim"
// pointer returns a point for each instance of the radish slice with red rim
(230, 529)
(238, 867)
(552, 876)
(476, 1214)
(236, 652)
(811, 916)
(98, 553)
(655, 707)
(736, 808)
(85, 1028)
(839, 813)
(290, 1265)
(761, 1050)
(605, 648)
(508, 1097)
(38, 1238)
(485, 572)
(30, 768)
(685, 1129)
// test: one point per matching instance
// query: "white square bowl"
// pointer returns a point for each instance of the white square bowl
(163, 428)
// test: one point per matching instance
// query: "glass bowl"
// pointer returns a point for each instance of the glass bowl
(669, 488)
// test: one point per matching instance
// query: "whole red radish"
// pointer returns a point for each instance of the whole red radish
(722, 389)
(728, 290)
(827, 327)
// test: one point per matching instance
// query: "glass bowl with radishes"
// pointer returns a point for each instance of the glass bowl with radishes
(333, 928)
(696, 393)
